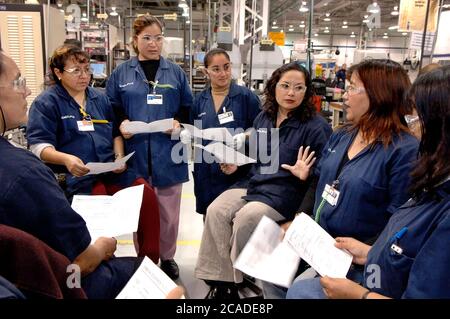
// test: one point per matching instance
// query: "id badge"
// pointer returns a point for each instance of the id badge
(330, 194)
(226, 117)
(85, 126)
(155, 99)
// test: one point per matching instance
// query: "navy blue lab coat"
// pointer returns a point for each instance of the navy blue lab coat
(31, 200)
(209, 181)
(421, 269)
(53, 119)
(372, 185)
(127, 89)
(277, 187)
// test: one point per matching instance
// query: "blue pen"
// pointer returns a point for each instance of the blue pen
(400, 233)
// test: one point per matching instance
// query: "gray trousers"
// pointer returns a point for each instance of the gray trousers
(229, 223)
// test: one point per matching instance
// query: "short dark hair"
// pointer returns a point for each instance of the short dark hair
(140, 23)
(213, 52)
(305, 111)
(386, 83)
(431, 95)
(61, 55)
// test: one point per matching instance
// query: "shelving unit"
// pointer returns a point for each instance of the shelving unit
(198, 81)
(95, 43)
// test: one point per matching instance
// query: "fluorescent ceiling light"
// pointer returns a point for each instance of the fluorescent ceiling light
(394, 27)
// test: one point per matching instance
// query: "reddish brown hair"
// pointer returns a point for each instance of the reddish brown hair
(386, 84)
(141, 23)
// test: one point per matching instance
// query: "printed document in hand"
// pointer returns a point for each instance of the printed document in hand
(267, 257)
(316, 247)
(110, 216)
(218, 134)
(226, 154)
(148, 282)
(99, 168)
(137, 127)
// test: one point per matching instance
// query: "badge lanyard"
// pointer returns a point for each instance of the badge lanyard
(87, 117)
(322, 202)
(156, 99)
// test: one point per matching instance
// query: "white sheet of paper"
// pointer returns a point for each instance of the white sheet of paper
(226, 154)
(138, 127)
(99, 168)
(267, 257)
(316, 247)
(218, 134)
(110, 216)
(148, 282)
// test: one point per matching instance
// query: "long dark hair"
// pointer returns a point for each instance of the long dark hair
(386, 84)
(305, 111)
(431, 95)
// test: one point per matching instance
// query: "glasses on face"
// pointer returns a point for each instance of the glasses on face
(217, 69)
(153, 38)
(77, 71)
(19, 84)
(353, 90)
(298, 89)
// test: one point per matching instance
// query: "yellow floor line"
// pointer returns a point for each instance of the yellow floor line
(195, 242)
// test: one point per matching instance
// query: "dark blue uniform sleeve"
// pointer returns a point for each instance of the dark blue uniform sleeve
(254, 107)
(318, 137)
(429, 277)
(400, 165)
(111, 115)
(39, 207)
(185, 93)
(42, 124)
(112, 92)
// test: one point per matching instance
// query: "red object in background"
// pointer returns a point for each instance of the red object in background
(317, 101)
(148, 228)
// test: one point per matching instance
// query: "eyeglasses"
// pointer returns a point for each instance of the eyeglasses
(217, 70)
(411, 119)
(19, 84)
(78, 71)
(353, 90)
(153, 38)
(297, 88)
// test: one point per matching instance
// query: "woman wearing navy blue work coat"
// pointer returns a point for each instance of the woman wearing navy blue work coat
(365, 166)
(287, 122)
(212, 108)
(411, 259)
(149, 88)
(71, 124)
(31, 200)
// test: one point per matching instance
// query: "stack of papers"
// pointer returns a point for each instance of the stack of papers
(99, 168)
(148, 282)
(270, 257)
(218, 134)
(226, 154)
(110, 216)
(138, 127)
